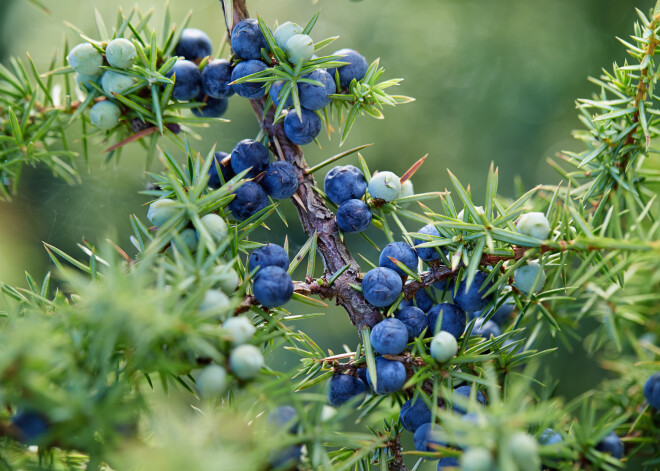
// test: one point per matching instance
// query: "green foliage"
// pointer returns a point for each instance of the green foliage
(109, 355)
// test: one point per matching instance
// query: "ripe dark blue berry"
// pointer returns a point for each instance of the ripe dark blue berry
(611, 444)
(355, 69)
(427, 253)
(550, 437)
(465, 391)
(31, 426)
(353, 216)
(389, 337)
(427, 437)
(272, 287)
(250, 154)
(501, 316)
(247, 40)
(453, 319)
(422, 300)
(212, 107)
(344, 183)
(270, 255)
(194, 45)
(381, 286)
(280, 180)
(286, 458)
(448, 462)
(485, 329)
(303, 131)
(276, 94)
(314, 97)
(284, 416)
(343, 388)
(251, 90)
(472, 299)
(216, 78)
(400, 251)
(652, 390)
(249, 200)
(390, 376)
(414, 319)
(225, 170)
(414, 414)
(187, 80)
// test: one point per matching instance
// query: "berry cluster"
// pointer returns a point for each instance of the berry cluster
(346, 185)
(88, 61)
(272, 285)
(312, 88)
(112, 65)
(277, 180)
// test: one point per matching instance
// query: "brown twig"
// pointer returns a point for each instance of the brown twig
(301, 287)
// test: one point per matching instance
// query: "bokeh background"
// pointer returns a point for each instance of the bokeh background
(494, 80)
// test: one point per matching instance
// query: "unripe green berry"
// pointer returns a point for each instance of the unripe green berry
(187, 240)
(86, 60)
(212, 382)
(114, 82)
(284, 32)
(406, 190)
(529, 278)
(240, 328)
(215, 302)
(83, 82)
(246, 361)
(476, 459)
(384, 186)
(105, 115)
(443, 346)
(524, 450)
(299, 47)
(534, 224)
(120, 53)
(161, 210)
(228, 280)
(461, 213)
(216, 226)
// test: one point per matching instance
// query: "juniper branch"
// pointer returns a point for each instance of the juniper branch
(314, 214)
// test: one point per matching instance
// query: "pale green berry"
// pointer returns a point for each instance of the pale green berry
(161, 210)
(84, 81)
(327, 413)
(240, 328)
(246, 361)
(524, 450)
(476, 459)
(212, 382)
(120, 53)
(114, 82)
(86, 60)
(384, 186)
(216, 226)
(215, 302)
(461, 213)
(187, 240)
(299, 47)
(228, 280)
(284, 32)
(534, 224)
(105, 115)
(406, 190)
(443, 346)
(529, 278)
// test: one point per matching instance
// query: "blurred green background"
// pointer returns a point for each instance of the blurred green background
(495, 80)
